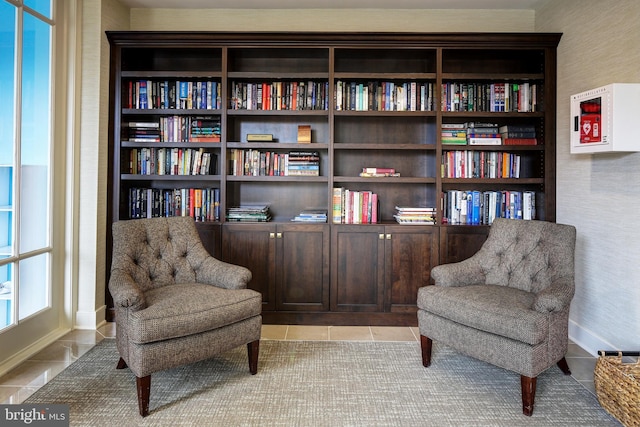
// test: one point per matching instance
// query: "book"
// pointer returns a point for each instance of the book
(516, 128)
(304, 133)
(520, 141)
(311, 215)
(454, 141)
(337, 205)
(485, 141)
(259, 137)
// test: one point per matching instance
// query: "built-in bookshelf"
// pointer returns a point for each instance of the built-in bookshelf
(368, 158)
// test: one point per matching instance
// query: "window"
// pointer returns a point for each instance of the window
(26, 33)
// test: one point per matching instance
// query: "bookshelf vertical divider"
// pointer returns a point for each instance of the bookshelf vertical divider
(385, 103)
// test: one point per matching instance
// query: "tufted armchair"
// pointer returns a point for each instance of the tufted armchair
(508, 304)
(174, 303)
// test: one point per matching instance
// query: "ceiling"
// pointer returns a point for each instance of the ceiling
(333, 4)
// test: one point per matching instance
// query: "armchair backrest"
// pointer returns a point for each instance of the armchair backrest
(528, 255)
(158, 252)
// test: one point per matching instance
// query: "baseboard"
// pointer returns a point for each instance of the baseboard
(587, 340)
(34, 348)
(90, 319)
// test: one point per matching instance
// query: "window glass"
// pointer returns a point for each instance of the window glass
(35, 135)
(7, 126)
(33, 292)
(6, 295)
(43, 7)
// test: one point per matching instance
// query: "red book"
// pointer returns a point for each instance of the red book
(364, 216)
(192, 202)
(519, 141)
(374, 208)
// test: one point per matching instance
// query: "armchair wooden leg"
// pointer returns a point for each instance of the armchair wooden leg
(121, 364)
(564, 366)
(528, 385)
(426, 344)
(144, 389)
(253, 349)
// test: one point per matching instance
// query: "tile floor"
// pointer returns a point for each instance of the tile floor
(21, 382)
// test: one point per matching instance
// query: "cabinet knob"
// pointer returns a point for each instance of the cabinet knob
(388, 236)
(279, 235)
(272, 235)
(381, 236)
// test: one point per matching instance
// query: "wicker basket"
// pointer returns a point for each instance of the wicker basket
(618, 386)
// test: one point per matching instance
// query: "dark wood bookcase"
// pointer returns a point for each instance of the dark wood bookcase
(327, 273)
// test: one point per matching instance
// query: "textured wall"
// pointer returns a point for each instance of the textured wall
(367, 20)
(599, 193)
(98, 15)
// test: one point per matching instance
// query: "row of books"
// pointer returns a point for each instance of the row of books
(384, 96)
(171, 161)
(280, 95)
(480, 164)
(311, 215)
(176, 129)
(415, 215)
(203, 204)
(475, 207)
(354, 96)
(474, 133)
(492, 97)
(166, 94)
(249, 213)
(354, 207)
(250, 162)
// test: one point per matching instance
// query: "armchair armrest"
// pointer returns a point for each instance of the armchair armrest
(463, 273)
(555, 297)
(222, 274)
(125, 292)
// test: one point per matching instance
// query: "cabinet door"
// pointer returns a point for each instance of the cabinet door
(458, 243)
(302, 267)
(211, 237)
(357, 273)
(253, 246)
(410, 252)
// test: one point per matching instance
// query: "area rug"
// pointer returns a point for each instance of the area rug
(320, 383)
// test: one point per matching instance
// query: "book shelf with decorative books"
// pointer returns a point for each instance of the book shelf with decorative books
(334, 165)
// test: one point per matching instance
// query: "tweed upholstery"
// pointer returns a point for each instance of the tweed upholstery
(209, 308)
(509, 303)
(175, 304)
(497, 309)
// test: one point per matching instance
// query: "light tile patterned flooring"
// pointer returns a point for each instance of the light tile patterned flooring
(21, 382)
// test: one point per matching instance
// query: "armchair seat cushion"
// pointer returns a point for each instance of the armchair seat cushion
(499, 310)
(209, 307)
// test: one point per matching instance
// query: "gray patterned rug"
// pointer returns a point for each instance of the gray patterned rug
(320, 383)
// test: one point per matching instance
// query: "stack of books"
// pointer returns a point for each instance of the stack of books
(303, 163)
(249, 213)
(144, 131)
(518, 135)
(454, 133)
(415, 215)
(483, 134)
(311, 215)
(378, 172)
